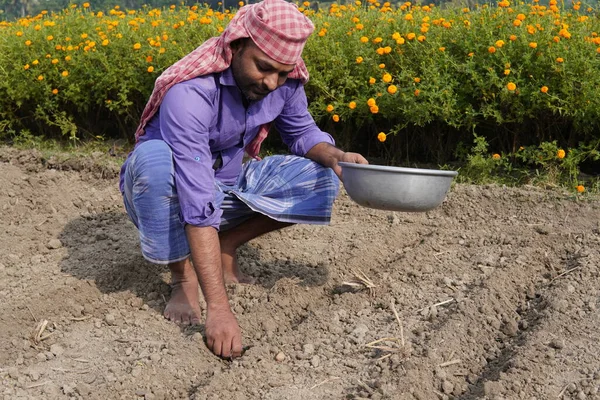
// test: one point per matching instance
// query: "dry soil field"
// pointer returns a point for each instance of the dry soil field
(514, 274)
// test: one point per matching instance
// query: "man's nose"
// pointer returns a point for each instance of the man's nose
(272, 81)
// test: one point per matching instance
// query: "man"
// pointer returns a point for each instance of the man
(184, 185)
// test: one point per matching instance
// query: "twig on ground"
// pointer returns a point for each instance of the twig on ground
(37, 385)
(81, 360)
(75, 371)
(451, 362)
(365, 386)
(31, 312)
(81, 318)
(38, 334)
(333, 378)
(399, 322)
(360, 280)
(564, 273)
(441, 303)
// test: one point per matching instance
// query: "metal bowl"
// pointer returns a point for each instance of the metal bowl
(396, 188)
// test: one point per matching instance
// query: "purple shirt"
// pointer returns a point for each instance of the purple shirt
(205, 116)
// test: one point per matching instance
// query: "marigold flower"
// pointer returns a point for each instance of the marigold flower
(511, 86)
(352, 105)
(151, 69)
(49, 37)
(19, 33)
(26, 67)
(382, 66)
(54, 61)
(491, 49)
(580, 188)
(28, 43)
(329, 108)
(84, 35)
(65, 73)
(411, 36)
(513, 37)
(137, 46)
(372, 80)
(336, 118)
(360, 27)
(521, 17)
(544, 89)
(54, 91)
(374, 109)
(499, 43)
(533, 45)
(417, 92)
(359, 59)
(417, 79)
(516, 23)
(560, 154)
(371, 102)
(40, 78)
(86, 5)
(387, 78)
(560, 60)
(35, 62)
(381, 137)
(392, 89)
(496, 156)
(364, 39)
(105, 42)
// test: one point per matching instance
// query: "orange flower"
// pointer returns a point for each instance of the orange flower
(371, 102)
(499, 43)
(329, 108)
(28, 43)
(65, 73)
(359, 59)
(417, 92)
(137, 46)
(381, 137)
(580, 188)
(560, 154)
(336, 118)
(533, 45)
(352, 105)
(392, 89)
(372, 80)
(544, 89)
(511, 86)
(54, 91)
(417, 80)
(151, 69)
(374, 109)
(513, 37)
(40, 78)
(496, 156)
(387, 78)
(381, 66)
(560, 60)
(491, 49)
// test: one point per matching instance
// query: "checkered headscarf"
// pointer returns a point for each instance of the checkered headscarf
(275, 26)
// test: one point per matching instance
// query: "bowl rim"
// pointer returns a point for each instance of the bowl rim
(406, 170)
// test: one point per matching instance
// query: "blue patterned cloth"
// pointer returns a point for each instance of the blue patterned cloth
(288, 189)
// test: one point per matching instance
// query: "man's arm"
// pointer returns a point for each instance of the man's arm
(329, 156)
(223, 334)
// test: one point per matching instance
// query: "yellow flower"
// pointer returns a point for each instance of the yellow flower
(511, 86)
(105, 42)
(499, 43)
(49, 37)
(560, 60)
(496, 156)
(360, 27)
(359, 59)
(35, 62)
(352, 105)
(329, 108)
(137, 46)
(151, 69)
(544, 89)
(55, 61)
(54, 91)
(533, 45)
(86, 5)
(372, 80)
(442, 49)
(513, 37)
(381, 137)
(560, 154)
(65, 73)
(411, 36)
(506, 71)
(336, 118)
(371, 102)
(382, 66)
(491, 49)
(417, 80)
(387, 78)
(521, 17)
(40, 78)
(84, 35)
(580, 188)
(26, 67)
(364, 39)
(392, 89)
(241, 4)
(377, 40)
(374, 109)
(28, 43)
(19, 33)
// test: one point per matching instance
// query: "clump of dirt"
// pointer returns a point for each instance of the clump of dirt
(493, 295)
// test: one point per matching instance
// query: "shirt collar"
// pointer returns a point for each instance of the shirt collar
(227, 78)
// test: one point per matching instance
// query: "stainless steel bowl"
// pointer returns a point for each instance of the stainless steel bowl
(396, 188)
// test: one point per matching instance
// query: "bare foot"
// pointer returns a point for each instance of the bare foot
(183, 306)
(231, 271)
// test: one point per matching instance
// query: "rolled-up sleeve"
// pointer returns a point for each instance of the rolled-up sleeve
(297, 127)
(186, 113)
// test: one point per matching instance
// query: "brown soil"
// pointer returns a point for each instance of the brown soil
(519, 266)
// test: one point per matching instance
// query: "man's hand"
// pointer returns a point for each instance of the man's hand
(329, 156)
(354, 158)
(223, 334)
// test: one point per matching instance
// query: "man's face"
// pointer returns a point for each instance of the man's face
(255, 73)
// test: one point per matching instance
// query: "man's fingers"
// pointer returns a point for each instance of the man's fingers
(225, 349)
(217, 346)
(236, 346)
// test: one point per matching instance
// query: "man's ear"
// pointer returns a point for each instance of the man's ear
(237, 45)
